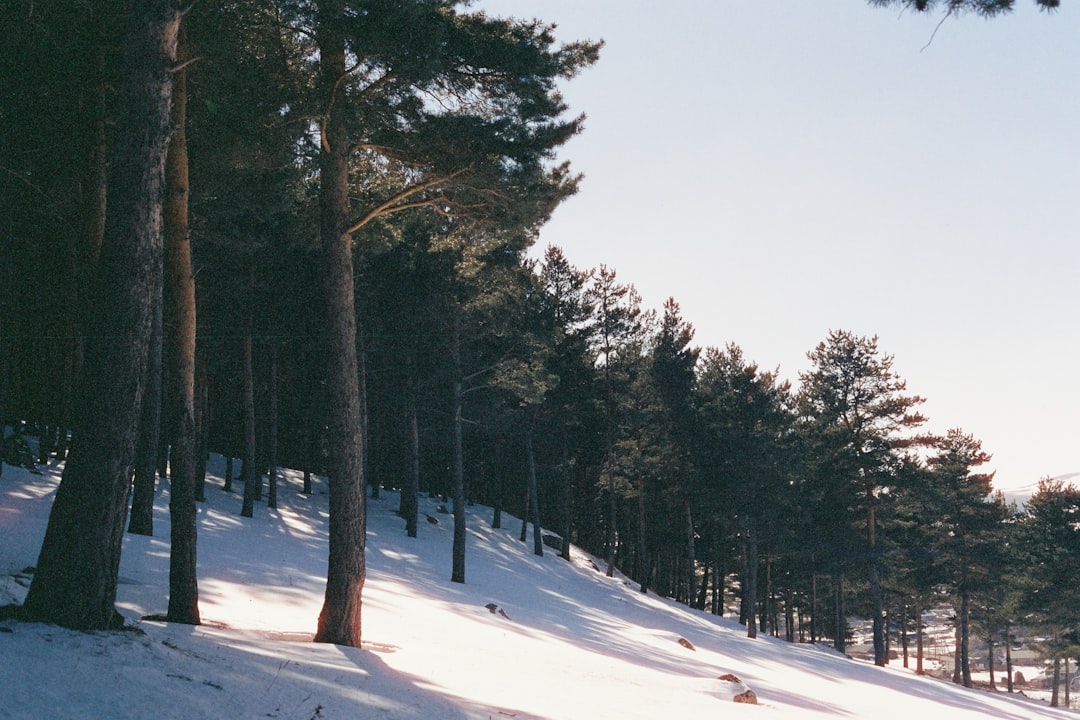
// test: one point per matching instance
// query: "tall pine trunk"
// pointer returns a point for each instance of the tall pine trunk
(751, 577)
(272, 433)
(1008, 659)
(179, 400)
(965, 635)
(567, 503)
(250, 476)
(881, 653)
(410, 489)
(918, 637)
(340, 618)
(534, 496)
(77, 570)
(202, 424)
(643, 546)
(691, 553)
(141, 520)
(458, 570)
(840, 613)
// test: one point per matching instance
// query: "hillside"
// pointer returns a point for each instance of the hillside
(561, 640)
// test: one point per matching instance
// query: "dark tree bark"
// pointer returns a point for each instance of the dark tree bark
(751, 576)
(339, 620)
(719, 573)
(202, 425)
(250, 475)
(1008, 659)
(411, 487)
(272, 435)
(458, 571)
(703, 593)
(691, 553)
(77, 570)
(643, 544)
(1055, 693)
(918, 637)
(180, 357)
(567, 504)
(612, 517)
(534, 496)
(840, 641)
(965, 634)
(141, 521)
(228, 475)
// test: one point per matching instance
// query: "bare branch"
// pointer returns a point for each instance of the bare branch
(181, 66)
(397, 202)
(938, 27)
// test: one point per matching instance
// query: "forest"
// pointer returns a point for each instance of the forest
(302, 234)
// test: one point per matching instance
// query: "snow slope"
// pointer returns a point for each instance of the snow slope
(561, 640)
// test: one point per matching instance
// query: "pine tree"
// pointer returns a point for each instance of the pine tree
(967, 524)
(858, 408)
(671, 372)
(567, 312)
(75, 583)
(1048, 540)
(179, 399)
(988, 8)
(618, 346)
(742, 421)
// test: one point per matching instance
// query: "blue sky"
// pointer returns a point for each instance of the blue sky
(785, 168)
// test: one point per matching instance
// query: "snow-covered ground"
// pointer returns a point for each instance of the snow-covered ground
(559, 641)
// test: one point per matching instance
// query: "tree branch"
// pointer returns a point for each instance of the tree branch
(397, 202)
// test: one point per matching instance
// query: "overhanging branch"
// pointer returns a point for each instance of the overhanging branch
(398, 202)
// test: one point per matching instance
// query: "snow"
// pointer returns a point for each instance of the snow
(560, 641)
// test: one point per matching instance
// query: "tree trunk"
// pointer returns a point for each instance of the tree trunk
(340, 618)
(1008, 659)
(228, 474)
(643, 543)
(1068, 695)
(789, 616)
(180, 399)
(272, 439)
(411, 487)
(534, 495)
(840, 641)
(458, 570)
(141, 520)
(1055, 700)
(567, 504)
(904, 633)
(965, 635)
(691, 553)
(718, 585)
(612, 534)
(750, 590)
(957, 674)
(249, 474)
(703, 591)
(202, 425)
(881, 653)
(918, 637)
(77, 570)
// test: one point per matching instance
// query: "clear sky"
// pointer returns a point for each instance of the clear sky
(788, 167)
